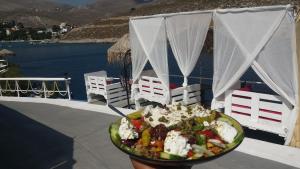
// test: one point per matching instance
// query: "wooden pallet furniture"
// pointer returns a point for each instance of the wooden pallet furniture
(259, 111)
(97, 83)
(152, 89)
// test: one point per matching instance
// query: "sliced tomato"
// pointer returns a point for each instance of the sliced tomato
(207, 133)
(136, 123)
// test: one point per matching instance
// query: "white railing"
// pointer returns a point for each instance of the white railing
(35, 87)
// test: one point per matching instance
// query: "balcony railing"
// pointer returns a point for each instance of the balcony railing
(36, 87)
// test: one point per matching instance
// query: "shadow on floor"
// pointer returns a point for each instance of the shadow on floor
(264, 136)
(28, 144)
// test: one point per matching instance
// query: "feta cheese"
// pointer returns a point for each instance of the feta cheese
(168, 117)
(226, 131)
(202, 113)
(154, 115)
(126, 130)
(173, 115)
(176, 144)
(205, 123)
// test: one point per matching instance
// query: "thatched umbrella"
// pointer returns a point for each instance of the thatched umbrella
(120, 53)
(119, 50)
(5, 52)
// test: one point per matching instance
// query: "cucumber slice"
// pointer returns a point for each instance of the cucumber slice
(201, 149)
(199, 126)
(200, 139)
(223, 119)
(114, 133)
(168, 156)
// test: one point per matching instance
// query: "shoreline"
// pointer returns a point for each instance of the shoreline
(45, 41)
(106, 40)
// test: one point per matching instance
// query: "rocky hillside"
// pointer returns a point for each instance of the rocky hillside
(110, 29)
(167, 6)
(40, 13)
(32, 12)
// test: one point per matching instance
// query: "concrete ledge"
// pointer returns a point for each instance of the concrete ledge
(279, 153)
(68, 103)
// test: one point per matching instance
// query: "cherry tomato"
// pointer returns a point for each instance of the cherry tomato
(207, 133)
(190, 153)
(136, 123)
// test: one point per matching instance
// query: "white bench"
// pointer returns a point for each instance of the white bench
(259, 111)
(194, 94)
(152, 89)
(97, 83)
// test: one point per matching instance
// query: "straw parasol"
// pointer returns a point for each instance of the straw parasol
(5, 52)
(120, 53)
(119, 50)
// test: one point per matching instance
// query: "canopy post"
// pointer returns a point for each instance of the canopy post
(185, 92)
(295, 142)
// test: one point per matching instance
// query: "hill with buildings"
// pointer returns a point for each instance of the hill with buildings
(45, 13)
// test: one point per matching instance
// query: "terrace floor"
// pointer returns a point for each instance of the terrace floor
(46, 136)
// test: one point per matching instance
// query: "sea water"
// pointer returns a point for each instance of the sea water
(57, 59)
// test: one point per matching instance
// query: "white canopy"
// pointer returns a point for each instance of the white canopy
(186, 35)
(149, 42)
(263, 38)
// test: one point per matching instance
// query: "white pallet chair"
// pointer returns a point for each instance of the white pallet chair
(259, 111)
(152, 89)
(97, 83)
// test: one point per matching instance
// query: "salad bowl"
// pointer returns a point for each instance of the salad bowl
(166, 160)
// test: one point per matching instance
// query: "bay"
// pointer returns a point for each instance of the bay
(54, 60)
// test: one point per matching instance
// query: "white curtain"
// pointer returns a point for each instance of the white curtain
(275, 64)
(240, 36)
(263, 38)
(186, 35)
(138, 56)
(149, 36)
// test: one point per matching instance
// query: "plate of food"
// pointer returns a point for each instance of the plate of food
(176, 135)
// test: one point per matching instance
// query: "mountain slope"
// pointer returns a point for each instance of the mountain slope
(13, 5)
(48, 12)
